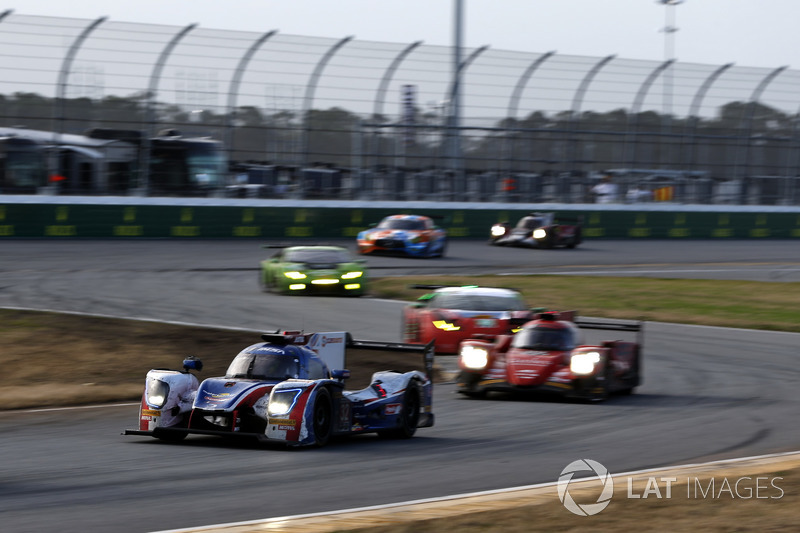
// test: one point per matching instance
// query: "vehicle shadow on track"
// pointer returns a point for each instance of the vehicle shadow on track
(336, 442)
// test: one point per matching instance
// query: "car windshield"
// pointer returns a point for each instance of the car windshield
(479, 302)
(544, 338)
(312, 255)
(530, 223)
(402, 223)
(264, 366)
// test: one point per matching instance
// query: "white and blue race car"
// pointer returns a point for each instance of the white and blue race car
(284, 390)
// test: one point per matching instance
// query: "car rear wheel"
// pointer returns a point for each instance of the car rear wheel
(323, 418)
(576, 239)
(409, 416)
(602, 388)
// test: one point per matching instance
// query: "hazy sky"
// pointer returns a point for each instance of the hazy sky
(760, 33)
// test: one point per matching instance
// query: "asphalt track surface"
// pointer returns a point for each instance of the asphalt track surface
(709, 393)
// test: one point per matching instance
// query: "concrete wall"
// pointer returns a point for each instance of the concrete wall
(185, 218)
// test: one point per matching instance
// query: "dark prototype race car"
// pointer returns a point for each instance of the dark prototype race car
(548, 355)
(284, 390)
(448, 315)
(538, 230)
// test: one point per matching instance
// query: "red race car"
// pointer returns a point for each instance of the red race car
(449, 315)
(548, 355)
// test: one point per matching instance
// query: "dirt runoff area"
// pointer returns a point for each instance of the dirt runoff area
(55, 359)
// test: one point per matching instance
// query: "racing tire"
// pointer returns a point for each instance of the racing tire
(576, 239)
(604, 387)
(632, 382)
(409, 417)
(262, 282)
(404, 330)
(407, 333)
(322, 418)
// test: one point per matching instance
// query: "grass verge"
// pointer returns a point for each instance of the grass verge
(741, 304)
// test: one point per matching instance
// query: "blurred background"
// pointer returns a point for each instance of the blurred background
(102, 107)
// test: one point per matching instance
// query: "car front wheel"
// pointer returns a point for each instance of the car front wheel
(323, 418)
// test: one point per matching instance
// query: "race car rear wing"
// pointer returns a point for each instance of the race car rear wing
(339, 349)
(616, 325)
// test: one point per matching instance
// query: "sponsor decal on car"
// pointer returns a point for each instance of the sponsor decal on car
(331, 340)
(392, 408)
(282, 421)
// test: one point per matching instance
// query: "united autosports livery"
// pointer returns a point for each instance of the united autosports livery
(284, 390)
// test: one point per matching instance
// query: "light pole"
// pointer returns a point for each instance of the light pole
(669, 56)
(669, 30)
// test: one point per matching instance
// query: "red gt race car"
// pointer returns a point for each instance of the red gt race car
(548, 355)
(448, 315)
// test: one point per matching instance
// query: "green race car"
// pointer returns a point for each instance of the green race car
(313, 269)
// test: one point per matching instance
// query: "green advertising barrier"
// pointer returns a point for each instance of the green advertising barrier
(308, 221)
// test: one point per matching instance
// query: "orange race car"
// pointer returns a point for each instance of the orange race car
(412, 235)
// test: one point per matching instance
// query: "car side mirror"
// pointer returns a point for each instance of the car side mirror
(340, 375)
(192, 363)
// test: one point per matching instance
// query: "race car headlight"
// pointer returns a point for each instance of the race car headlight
(445, 325)
(281, 402)
(539, 233)
(498, 231)
(583, 363)
(157, 393)
(352, 275)
(294, 274)
(474, 358)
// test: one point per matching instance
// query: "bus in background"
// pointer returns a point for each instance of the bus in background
(107, 162)
(186, 166)
(178, 165)
(23, 165)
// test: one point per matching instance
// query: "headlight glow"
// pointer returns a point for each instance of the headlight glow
(352, 275)
(352, 286)
(294, 275)
(282, 402)
(447, 326)
(498, 231)
(539, 233)
(474, 358)
(297, 286)
(157, 393)
(583, 363)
